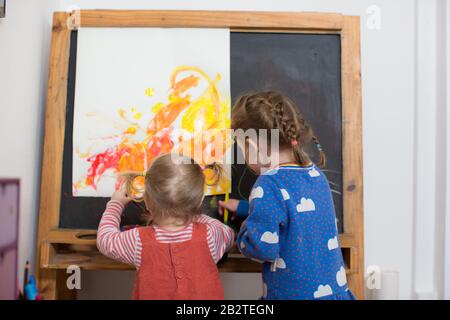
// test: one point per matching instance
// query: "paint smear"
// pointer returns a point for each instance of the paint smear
(185, 108)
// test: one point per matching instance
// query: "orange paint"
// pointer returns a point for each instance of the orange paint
(208, 109)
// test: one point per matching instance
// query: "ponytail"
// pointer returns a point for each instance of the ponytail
(134, 185)
(217, 173)
(300, 156)
(322, 158)
(135, 181)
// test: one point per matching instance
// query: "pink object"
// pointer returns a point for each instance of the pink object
(9, 226)
(294, 142)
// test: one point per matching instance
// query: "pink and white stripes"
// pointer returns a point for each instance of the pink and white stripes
(126, 246)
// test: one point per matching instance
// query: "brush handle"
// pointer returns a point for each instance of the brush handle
(225, 211)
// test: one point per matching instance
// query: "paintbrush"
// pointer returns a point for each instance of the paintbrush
(225, 210)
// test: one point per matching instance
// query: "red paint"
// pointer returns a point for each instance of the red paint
(108, 159)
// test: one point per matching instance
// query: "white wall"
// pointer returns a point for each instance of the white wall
(446, 281)
(430, 151)
(390, 123)
(24, 51)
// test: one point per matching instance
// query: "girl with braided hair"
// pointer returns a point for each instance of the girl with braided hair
(291, 222)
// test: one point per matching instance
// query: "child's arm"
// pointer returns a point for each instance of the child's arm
(122, 246)
(239, 208)
(220, 236)
(259, 234)
(242, 209)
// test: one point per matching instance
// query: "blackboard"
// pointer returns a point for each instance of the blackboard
(306, 67)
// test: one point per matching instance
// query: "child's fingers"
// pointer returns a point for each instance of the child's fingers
(222, 205)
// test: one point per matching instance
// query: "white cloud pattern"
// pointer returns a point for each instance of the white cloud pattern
(323, 291)
(314, 173)
(306, 205)
(341, 279)
(285, 194)
(279, 263)
(333, 243)
(256, 193)
(269, 237)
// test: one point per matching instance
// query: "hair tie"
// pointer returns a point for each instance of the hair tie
(294, 143)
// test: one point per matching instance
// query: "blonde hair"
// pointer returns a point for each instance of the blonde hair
(171, 188)
(272, 110)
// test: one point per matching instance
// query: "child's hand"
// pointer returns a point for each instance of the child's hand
(231, 205)
(121, 195)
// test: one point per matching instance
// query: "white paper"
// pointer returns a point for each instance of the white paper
(127, 71)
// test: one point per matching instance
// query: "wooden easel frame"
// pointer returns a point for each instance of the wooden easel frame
(52, 264)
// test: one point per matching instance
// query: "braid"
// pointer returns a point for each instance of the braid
(272, 110)
(291, 126)
(283, 122)
(322, 157)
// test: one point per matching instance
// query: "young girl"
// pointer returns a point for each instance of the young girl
(291, 224)
(175, 256)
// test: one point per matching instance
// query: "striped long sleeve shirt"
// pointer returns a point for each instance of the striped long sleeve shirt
(126, 246)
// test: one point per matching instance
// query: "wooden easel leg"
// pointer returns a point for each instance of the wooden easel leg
(356, 284)
(47, 284)
(52, 285)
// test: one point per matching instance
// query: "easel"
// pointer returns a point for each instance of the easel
(58, 248)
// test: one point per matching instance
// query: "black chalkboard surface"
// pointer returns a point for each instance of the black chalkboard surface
(306, 67)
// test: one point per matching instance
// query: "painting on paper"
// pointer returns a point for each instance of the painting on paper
(141, 92)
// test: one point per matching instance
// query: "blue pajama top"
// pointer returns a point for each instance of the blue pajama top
(291, 227)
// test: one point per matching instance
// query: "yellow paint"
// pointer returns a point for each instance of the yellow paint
(131, 130)
(149, 92)
(137, 115)
(158, 106)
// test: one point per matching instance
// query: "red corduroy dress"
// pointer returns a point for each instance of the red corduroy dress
(177, 271)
